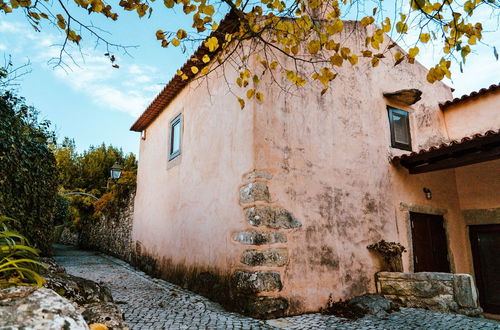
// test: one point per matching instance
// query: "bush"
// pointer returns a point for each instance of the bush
(62, 212)
(18, 261)
(28, 175)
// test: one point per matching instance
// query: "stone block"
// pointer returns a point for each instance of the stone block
(271, 217)
(255, 282)
(253, 192)
(263, 307)
(273, 257)
(32, 308)
(254, 237)
(443, 292)
(465, 291)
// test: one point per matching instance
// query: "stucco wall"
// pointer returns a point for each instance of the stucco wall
(479, 185)
(323, 165)
(476, 115)
(330, 157)
(185, 208)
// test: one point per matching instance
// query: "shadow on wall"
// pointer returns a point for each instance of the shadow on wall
(222, 287)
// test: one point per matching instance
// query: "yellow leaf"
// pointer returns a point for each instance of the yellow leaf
(212, 44)
(425, 37)
(205, 58)
(250, 93)
(242, 102)
(205, 70)
(365, 21)
(184, 77)
(367, 53)
(472, 40)
(375, 61)
(181, 34)
(175, 42)
(353, 59)
(61, 24)
(344, 52)
(413, 52)
(160, 35)
(169, 3)
(402, 27)
(194, 69)
(273, 65)
(332, 45)
(386, 26)
(259, 96)
(7, 9)
(398, 58)
(337, 60)
(314, 46)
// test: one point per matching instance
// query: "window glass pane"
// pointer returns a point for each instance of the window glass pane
(401, 133)
(176, 138)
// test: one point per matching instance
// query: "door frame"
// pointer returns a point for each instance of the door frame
(425, 209)
(477, 265)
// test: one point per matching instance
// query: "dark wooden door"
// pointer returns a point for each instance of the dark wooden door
(430, 251)
(485, 244)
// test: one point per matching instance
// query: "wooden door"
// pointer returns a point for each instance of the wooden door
(430, 251)
(485, 244)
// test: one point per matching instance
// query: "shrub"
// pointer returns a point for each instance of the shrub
(62, 211)
(18, 261)
(28, 175)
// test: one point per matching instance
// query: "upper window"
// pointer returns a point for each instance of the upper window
(400, 128)
(175, 137)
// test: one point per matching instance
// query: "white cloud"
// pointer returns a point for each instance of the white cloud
(127, 90)
(12, 27)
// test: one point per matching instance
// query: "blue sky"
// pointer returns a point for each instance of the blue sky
(93, 102)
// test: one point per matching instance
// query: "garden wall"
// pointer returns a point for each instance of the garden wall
(111, 235)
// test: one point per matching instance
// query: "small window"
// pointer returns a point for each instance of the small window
(175, 137)
(143, 134)
(400, 128)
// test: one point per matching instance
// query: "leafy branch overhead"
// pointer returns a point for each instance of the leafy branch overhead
(308, 32)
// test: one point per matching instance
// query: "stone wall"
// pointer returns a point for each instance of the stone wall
(257, 281)
(68, 237)
(442, 292)
(111, 235)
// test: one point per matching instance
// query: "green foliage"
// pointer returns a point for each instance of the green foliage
(89, 172)
(116, 199)
(28, 175)
(18, 260)
(62, 212)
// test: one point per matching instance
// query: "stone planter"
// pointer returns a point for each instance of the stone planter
(442, 292)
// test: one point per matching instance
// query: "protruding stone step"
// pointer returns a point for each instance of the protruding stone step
(255, 237)
(253, 192)
(255, 282)
(273, 257)
(263, 307)
(271, 217)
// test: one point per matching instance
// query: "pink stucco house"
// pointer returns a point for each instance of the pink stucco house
(270, 209)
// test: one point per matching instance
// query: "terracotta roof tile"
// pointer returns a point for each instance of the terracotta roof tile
(466, 97)
(442, 146)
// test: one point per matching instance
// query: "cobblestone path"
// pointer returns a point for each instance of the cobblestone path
(155, 304)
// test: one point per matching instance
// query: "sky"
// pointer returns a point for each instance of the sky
(92, 102)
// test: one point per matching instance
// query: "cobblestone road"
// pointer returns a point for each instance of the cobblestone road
(155, 304)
